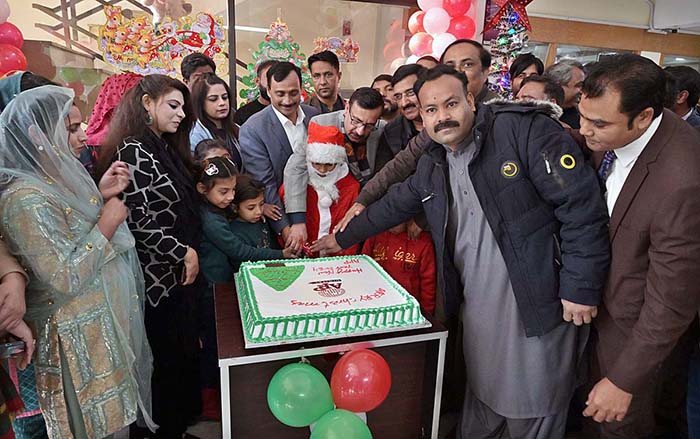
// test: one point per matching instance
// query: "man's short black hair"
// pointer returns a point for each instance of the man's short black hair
(640, 82)
(326, 56)
(404, 71)
(484, 55)
(193, 61)
(439, 71)
(367, 98)
(281, 70)
(688, 79)
(265, 64)
(522, 62)
(551, 88)
(382, 77)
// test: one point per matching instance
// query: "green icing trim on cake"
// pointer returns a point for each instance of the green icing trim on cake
(253, 317)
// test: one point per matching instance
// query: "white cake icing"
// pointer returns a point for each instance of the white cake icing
(294, 300)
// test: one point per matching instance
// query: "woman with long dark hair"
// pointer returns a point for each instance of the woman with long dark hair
(211, 102)
(150, 133)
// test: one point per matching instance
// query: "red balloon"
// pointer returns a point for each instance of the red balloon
(456, 8)
(421, 44)
(10, 34)
(462, 27)
(360, 381)
(415, 23)
(11, 58)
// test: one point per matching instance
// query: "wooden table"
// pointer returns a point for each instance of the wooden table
(415, 357)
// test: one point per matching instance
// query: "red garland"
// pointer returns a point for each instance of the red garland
(517, 5)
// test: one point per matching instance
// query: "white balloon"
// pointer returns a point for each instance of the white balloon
(440, 43)
(429, 4)
(4, 11)
(436, 21)
(411, 59)
(395, 64)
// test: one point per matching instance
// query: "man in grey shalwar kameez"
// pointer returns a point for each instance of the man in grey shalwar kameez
(520, 232)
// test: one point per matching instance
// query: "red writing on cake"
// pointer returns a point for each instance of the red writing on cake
(324, 303)
(379, 293)
(324, 271)
(348, 266)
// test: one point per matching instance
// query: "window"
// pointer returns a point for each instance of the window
(583, 54)
(676, 60)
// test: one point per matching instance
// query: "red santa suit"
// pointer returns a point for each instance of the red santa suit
(328, 196)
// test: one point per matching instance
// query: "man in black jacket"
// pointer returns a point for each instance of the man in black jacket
(520, 232)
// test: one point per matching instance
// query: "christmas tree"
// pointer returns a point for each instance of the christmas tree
(278, 45)
(512, 38)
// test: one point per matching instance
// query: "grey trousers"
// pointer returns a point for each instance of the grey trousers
(480, 422)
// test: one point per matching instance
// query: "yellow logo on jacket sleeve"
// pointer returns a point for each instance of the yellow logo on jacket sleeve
(567, 161)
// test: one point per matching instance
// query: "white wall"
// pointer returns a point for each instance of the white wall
(622, 12)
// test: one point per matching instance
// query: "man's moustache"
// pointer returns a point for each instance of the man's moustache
(447, 124)
(408, 107)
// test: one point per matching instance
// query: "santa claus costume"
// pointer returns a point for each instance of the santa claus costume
(330, 195)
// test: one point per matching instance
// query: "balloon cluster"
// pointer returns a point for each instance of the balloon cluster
(299, 395)
(437, 25)
(11, 40)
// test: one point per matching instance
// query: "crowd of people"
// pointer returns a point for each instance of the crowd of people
(554, 232)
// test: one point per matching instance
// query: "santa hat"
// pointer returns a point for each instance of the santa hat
(326, 145)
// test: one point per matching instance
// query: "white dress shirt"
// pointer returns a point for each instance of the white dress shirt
(687, 115)
(626, 158)
(296, 132)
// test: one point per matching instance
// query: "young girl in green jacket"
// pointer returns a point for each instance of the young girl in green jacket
(228, 239)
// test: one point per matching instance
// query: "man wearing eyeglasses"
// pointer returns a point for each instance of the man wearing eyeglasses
(362, 128)
(405, 127)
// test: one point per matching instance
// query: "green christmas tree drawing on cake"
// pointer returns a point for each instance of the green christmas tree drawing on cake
(278, 45)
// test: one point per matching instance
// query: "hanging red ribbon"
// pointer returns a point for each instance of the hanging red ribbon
(518, 7)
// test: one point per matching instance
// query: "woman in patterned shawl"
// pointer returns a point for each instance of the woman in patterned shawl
(85, 295)
(150, 133)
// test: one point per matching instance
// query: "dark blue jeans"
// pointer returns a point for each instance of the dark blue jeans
(694, 395)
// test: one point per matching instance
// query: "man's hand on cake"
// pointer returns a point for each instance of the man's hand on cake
(289, 253)
(189, 274)
(272, 211)
(354, 210)
(327, 244)
(297, 237)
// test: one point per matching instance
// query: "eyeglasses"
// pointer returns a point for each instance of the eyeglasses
(407, 94)
(357, 123)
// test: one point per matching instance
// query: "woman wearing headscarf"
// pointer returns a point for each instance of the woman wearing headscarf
(85, 295)
(150, 133)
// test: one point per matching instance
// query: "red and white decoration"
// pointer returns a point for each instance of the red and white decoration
(329, 196)
(434, 27)
(12, 58)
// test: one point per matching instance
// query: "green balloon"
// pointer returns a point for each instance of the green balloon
(298, 395)
(69, 74)
(341, 424)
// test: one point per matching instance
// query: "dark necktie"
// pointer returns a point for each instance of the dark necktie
(605, 165)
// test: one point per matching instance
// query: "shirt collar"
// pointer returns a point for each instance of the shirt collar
(687, 115)
(463, 146)
(283, 119)
(629, 153)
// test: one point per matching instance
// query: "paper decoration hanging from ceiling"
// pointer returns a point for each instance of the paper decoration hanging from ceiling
(135, 45)
(345, 49)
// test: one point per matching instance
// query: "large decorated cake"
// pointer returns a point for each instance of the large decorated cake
(290, 300)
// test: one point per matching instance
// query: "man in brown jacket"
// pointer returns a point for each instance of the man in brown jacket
(651, 179)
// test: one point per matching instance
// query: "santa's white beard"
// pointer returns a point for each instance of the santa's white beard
(325, 186)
